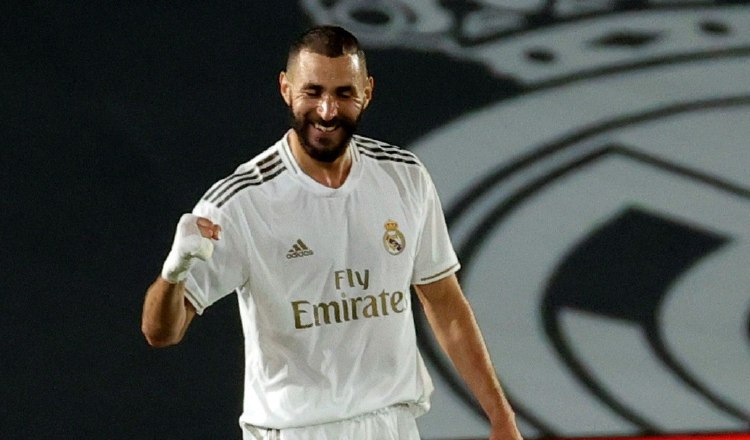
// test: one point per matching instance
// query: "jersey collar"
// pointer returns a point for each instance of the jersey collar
(308, 182)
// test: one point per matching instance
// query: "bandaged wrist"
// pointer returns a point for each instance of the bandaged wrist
(176, 267)
(188, 245)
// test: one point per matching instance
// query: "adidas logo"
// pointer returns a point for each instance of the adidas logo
(299, 249)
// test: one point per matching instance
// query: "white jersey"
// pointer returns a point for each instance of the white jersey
(323, 276)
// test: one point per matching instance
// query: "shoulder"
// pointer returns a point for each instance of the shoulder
(259, 170)
(394, 163)
(384, 152)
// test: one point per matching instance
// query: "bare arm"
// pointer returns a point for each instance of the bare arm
(452, 320)
(166, 313)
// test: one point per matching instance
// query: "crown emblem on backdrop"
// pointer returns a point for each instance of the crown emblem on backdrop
(522, 39)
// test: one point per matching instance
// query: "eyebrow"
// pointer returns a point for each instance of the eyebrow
(319, 88)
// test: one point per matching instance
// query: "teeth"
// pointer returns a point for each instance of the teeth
(326, 129)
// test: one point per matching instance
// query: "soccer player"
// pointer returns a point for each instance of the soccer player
(321, 237)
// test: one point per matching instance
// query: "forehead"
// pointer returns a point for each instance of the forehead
(310, 67)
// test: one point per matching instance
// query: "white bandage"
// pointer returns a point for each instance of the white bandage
(188, 245)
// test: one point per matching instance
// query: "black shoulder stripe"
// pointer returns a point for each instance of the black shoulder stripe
(236, 189)
(259, 172)
(228, 180)
(385, 148)
(382, 149)
(222, 184)
(249, 180)
(390, 158)
(252, 174)
(246, 177)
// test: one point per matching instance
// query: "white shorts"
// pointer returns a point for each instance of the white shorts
(392, 423)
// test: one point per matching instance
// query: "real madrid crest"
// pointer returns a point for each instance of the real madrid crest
(393, 239)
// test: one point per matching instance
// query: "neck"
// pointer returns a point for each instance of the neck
(330, 174)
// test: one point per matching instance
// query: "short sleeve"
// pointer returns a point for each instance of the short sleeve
(212, 280)
(435, 258)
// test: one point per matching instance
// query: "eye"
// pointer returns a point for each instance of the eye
(345, 92)
(311, 90)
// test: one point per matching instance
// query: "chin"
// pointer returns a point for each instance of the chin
(324, 149)
(324, 154)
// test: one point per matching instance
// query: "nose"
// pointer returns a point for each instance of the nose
(328, 107)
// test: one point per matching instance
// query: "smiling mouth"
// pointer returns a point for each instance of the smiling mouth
(325, 129)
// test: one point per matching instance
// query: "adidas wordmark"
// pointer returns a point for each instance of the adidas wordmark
(299, 249)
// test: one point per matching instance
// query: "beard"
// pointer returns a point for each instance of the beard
(320, 146)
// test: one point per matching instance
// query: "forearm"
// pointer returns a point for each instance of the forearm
(460, 338)
(165, 314)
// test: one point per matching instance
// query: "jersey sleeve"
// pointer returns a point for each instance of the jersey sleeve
(435, 258)
(212, 280)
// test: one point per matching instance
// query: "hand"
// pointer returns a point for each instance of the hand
(507, 431)
(207, 228)
(192, 240)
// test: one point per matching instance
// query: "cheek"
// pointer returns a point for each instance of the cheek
(351, 109)
(301, 108)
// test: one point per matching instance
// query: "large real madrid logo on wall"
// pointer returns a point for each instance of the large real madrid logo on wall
(602, 214)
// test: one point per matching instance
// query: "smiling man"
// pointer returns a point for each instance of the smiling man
(327, 88)
(327, 93)
(321, 237)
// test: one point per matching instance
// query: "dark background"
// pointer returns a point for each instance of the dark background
(115, 118)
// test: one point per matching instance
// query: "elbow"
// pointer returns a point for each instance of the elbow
(160, 343)
(160, 339)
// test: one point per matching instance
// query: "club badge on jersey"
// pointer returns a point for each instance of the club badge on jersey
(393, 239)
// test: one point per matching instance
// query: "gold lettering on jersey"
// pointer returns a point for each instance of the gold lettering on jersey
(350, 276)
(299, 310)
(307, 314)
(393, 239)
(349, 308)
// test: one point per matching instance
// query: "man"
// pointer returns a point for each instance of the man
(321, 236)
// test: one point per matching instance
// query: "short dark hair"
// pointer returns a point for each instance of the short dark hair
(330, 41)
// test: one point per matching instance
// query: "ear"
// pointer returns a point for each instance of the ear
(369, 87)
(285, 88)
